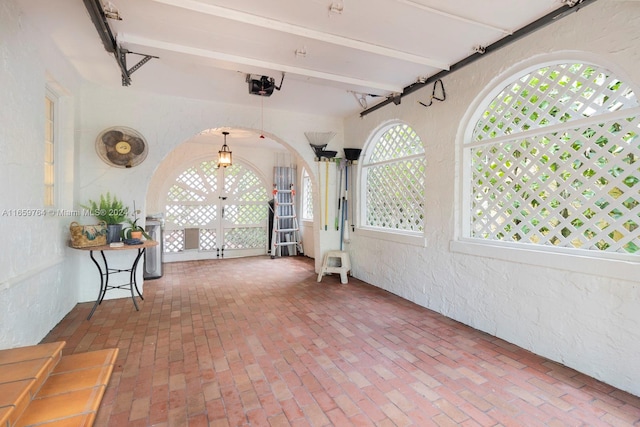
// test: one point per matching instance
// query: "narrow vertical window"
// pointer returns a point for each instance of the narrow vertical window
(307, 196)
(49, 175)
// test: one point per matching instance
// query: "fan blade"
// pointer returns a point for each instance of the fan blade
(112, 137)
(119, 159)
(137, 144)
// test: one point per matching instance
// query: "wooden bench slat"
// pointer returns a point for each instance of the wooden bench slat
(61, 406)
(48, 389)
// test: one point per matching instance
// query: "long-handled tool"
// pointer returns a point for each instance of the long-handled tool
(326, 195)
(345, 207)
(352, 197)
(338, 184)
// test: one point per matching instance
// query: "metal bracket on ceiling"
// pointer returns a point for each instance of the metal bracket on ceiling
(480, 49)
(126, 73)
(362, 97)
(99, 19)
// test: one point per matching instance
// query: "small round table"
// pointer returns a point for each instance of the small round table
(106, 271)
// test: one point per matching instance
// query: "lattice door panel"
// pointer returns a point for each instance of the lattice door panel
(244, 185)
(200, 179)
(173, 241)
(246, 214)
(207, 239)
(178, 193)
(191, 216)
(196, 198)
(245, 238)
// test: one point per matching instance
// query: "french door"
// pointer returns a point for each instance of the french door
(217, 212)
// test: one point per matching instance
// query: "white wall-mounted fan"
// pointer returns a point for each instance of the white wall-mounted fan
(121, 147)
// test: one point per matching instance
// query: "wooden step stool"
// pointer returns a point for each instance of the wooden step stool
(336, 262)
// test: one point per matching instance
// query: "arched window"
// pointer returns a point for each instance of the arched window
(553, 162)
(393, 178)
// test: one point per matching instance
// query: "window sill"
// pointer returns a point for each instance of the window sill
(605, 265)
(391, 236)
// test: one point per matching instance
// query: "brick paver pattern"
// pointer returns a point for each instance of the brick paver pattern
(258, 342)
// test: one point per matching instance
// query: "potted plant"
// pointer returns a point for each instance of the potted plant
(110, 210)
(133, 230)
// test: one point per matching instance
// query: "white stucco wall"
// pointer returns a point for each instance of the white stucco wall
(41, 279)
(582, 314)
(35, 292)
(167, 122)
(587, 320)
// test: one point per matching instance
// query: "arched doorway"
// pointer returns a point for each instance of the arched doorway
(219, 212)
(259, 155)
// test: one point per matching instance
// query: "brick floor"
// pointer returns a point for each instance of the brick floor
(258, 342)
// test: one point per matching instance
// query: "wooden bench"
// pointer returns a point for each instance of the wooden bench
(40, 387)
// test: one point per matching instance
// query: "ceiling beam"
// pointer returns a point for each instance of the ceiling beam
(272, 24)
(532, 27)
(252, 62)
(454, 17)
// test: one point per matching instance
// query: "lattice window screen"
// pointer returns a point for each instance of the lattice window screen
(394, 184)
(575, 185)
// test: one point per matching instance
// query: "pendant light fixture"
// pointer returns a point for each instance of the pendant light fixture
(224, 155)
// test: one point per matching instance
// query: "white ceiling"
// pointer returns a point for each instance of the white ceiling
(206, 48)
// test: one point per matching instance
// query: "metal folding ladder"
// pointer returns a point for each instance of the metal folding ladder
(286, 232)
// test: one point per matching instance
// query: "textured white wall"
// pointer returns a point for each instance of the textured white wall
(586, 321)
(260, 159)
(167, 122)
(41, 279)
(35, 292)
(590, 322)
